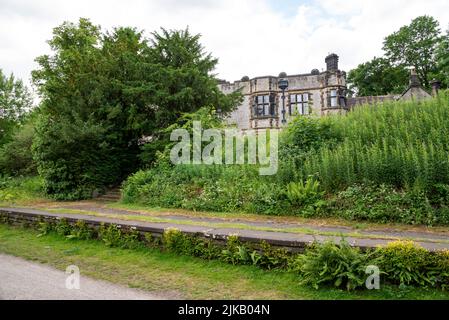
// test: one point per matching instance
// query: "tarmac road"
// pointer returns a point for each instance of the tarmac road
(25, 280)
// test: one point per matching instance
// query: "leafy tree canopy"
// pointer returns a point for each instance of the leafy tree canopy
(15, 102)
(442, 56)
(419, 45)
(377, 77)
(415, 45)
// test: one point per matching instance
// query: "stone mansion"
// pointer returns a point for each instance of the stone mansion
(266, 105)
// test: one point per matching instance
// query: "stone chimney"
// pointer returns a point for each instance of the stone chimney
(435, 86)
(332, 62)
(414, 80)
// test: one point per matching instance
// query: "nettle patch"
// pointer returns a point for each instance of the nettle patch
(403, 263)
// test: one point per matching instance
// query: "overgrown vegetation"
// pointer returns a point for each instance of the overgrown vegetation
(111, 99)
(403, 144)
(386, 163)
(16, 189)
(408, 264)
(16, 157)
(385, 204)
(16, 127)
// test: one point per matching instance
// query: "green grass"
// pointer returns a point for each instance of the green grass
(193, 278)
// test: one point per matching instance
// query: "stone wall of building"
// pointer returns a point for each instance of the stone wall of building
(316, 93)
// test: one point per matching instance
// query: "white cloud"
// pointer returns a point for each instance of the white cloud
(249, 37)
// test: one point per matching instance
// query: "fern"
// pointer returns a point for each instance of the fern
(300, 193)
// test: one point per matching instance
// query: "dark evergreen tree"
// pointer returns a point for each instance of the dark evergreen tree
(103, 92)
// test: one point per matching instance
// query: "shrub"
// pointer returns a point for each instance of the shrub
(207, 188)
(111, 235)
(383, 204)
(16, 157)
(175, 241)
(439, 194)
(75, 158)
(271, 258)
(307, 133)
(81, 231)
(407, 263)
(339, 265)
(131, 238)
(44, 228)
(235, 252)
(441, 267)
(63, 228)
(300, 140)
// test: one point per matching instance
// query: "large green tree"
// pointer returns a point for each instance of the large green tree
(377, 77)
(442, 56)
(73, 147)
(103, 92)
(416, 45)
(15, 102)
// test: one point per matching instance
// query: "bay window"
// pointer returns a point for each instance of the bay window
(264, 105)
(336, 98)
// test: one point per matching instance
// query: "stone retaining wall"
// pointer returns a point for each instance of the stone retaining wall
(30, 217)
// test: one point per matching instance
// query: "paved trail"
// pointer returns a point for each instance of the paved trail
(24, 280)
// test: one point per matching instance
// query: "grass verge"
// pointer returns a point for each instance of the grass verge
(193, 278)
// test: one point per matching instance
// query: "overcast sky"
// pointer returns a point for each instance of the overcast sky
(249, 37)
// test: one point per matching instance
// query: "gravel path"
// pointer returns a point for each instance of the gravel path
(25, 280)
